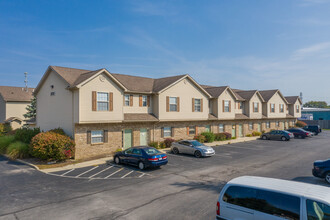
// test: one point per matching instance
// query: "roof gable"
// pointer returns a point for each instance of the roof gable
(293, 99)
(215, 92)
(268, 94)
(16, 94)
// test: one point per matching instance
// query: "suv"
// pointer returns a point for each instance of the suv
(313, 128)
(251, 198)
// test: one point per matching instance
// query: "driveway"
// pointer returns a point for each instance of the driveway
(186, 188)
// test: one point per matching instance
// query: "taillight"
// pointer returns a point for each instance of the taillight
(153, 159)
(316, 168)
(218, 208)
(165, 157)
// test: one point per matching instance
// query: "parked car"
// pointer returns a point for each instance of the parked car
(192, 147)
(316, 129)
(252, 198)
(277, 135)
(141, 156)
(321, 169)
(299, 132)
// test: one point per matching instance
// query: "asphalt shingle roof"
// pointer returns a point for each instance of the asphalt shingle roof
(16, 94)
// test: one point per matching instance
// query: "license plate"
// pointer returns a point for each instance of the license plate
(160, 158)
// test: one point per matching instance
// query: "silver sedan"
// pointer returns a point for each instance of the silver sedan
(192, 147)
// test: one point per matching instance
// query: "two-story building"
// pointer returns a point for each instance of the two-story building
(105, 111)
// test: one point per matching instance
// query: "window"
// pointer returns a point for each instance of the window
(137, 152)
(97, 136)
(52, 93)
(221, 128)
(250, 126)
(192, 130)
(241, 196)
(255, 107)
(173, 104)
(207, 128)
(278, 204)
(127, 98)
(226, 106)
(267, 124)
(167, 132)
(281, 107)
(151, 151)
(144, 100)
(102, 101)
(297, 108)
(316, 209)
(240, 105)
(197, 105)
(272, 107)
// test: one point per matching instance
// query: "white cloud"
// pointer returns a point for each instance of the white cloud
(311, 50)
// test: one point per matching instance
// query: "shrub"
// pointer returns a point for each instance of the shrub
(58, 131)
(5, 128)
(5, 141)
(220, 137)
(248, 135)
(209, 137)
(200, 138)
(118, 150)
(228, 135)
(162, 145)
(52, 146)
(26, 134)
(18, 149)
(256, 133)
(154, 144)
(300, 124)
(263, 131)
(233, 137)
(168, 142)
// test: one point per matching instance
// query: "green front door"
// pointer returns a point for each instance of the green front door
(143, 137)
(207, 128)
(240, 130)
(233, 131)
(127, 138)
(259, 127)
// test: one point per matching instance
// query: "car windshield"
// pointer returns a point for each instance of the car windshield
(196, 143)
(151, 151)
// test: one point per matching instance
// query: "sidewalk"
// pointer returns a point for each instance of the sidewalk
(232, 141)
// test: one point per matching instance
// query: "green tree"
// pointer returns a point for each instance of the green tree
(316, 104)
(31, 109)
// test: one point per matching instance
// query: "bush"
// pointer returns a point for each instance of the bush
(300, 124)
(26, 134)
(118, 150)
(154, 144)
(58, 131)
(220, 137)
(168, 142)
(263, 131)
(51, 146)
(162, 145)
(5, 141)
(209, 137)
(18, 149)
(200, 138)
(228, 135)
(256, 133)
(4, 128)
(233, 137)
(248, 135)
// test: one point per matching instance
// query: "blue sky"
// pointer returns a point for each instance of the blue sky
(255, 44)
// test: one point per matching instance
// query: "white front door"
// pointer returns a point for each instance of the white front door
(143, 137)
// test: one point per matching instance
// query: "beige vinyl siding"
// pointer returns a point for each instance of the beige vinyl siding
(226, 96)
(292, 109)
(186, 91)
(2, 109)
(252, 114)
(55, 111)
(136, 108)
(16, 109)
(277, 100)
(87, 115)
(237, 109)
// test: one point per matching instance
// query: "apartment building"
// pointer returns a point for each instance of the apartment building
(13, 103)
(105, 111)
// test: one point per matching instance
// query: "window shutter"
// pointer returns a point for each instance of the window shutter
(201, 105)
(105, 136)
(140, 100)
(258, 106)
(130, 100)
(279, 107)
(193, 104)
(172, 131)
(178, 103)
(223, 105)
(270, 107)
(148, 101)
(124, 100)
(94, 101)
(167, 103)
(229, 106)
(162, 132)
(111, 101)
(89, 137)
(187, 130)
(196, 130)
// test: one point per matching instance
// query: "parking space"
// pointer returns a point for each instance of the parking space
(104, 171)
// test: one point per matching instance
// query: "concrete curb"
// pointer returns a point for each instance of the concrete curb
(23, 162)
(232, 141)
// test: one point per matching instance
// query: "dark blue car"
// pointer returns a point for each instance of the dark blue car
(142, 156)
(321, 169)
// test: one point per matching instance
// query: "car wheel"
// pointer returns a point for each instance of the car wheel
(284, 138)
(141, 165)
(327, 177)
(264, 137)
(117, 160)
(198, 154)
(175, 150)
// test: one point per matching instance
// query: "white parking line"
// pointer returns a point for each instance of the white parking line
(142, 175)
(67, 172)
(87, 171)
(126, 174)
(114, 173)
(233, 146)
(100, 172)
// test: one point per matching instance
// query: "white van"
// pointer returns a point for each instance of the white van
(259, 198)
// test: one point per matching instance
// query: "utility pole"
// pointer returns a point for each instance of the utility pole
(26, 81)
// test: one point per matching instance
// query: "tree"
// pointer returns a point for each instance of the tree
(31, 109)
(316, 104)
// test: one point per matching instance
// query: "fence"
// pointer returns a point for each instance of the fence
(322, 123)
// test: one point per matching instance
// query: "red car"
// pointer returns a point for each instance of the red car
(299, 132)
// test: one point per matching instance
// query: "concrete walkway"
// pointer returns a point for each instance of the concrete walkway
(232, 141)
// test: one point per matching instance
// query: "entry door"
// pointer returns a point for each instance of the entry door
(127, 138)
(259, 127)
(143, 137)
(240, 130)
(233, 131)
